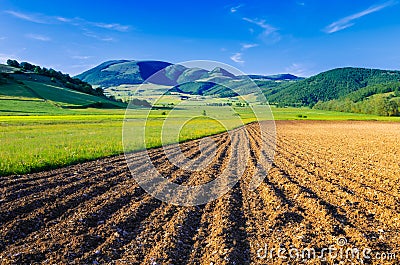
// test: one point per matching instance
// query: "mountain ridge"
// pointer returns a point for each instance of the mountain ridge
(118, 72)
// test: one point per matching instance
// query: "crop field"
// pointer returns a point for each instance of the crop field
(332, 183)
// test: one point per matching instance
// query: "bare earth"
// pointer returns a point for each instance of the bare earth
(329, 181)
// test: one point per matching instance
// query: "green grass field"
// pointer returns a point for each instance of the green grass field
(37, 142)
(32, 143)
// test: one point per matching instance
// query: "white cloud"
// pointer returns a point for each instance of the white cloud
(63, 19)
(297, 69)
(27, 17)
(38, 37)
(79, 57)
(237, 57)
(246, 46)
(268, 29)
(347, 22)
(79, 22)
(234, 9)
(96, 36)
(112, 26)
(269, 33)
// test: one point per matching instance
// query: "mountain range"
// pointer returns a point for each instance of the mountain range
(118, 72)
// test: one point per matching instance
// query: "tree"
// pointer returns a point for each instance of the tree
(27, 66)
(392, 108)
(37, 70)
(99, 91)
(13, 63)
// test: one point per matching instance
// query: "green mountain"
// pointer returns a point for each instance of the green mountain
(28, 91)
(125, 72)
(218, 81)
(117, 72)
(333, 84)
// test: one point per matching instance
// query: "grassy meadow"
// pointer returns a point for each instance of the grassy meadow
(39, 141)
(33, 143)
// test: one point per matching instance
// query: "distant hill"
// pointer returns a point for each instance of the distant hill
(27, 91)
(196, 81)
(329, 85)
(119, 72)
(278, 77)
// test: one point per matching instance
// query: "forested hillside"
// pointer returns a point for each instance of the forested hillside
(329, 85)
(56, 77)
(30, 89)
(381, 99)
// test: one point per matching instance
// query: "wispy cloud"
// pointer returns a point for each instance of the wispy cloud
(96, 36)
(63, 19)
(268, 29)
(38, 37)
(246, 46)
(269, 33)
(234, 9)
(78, 22)
(297, 69)
(3, 38)
(348, 21)
(237, 58)
(80, 57)
(28, 17)
(111, 26)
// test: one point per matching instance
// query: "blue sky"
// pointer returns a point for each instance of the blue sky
(302, 37)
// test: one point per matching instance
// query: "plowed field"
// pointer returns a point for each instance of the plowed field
(331, 184)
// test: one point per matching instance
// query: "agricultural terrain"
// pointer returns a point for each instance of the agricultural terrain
(331, 183)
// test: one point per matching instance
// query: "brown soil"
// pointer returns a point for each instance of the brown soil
(329, 180)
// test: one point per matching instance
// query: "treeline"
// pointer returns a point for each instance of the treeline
(382, 99)
(65, 79)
